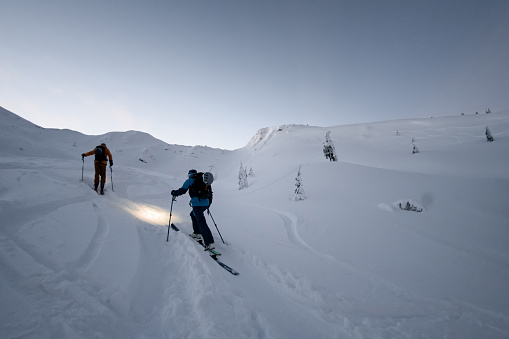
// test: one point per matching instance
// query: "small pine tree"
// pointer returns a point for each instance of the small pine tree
(242, 178)
(489, 137)
(299, 190)
(415, 149)
(251, 173)
(328, 148)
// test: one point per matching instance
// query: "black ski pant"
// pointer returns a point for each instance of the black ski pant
(200, 224)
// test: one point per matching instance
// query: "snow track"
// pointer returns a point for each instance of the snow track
(95, 245)
(52, 294)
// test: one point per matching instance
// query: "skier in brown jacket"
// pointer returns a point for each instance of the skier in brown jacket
(101, 154)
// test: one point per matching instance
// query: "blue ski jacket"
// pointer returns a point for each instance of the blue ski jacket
(195, 201)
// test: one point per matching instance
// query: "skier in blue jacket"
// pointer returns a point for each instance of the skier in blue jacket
(199, 205)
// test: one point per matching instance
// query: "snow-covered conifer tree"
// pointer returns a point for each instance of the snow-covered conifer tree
(489, 137)
(415, 149)
(328, 148)
(251, 173)
(299, 190)
(242, 178)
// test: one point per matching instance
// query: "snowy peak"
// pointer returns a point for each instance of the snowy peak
(264, 135)
(20, 137)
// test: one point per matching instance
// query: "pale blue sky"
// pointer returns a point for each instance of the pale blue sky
(214, 72)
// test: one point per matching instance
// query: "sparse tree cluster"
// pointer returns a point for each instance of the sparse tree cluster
(488, 111)
(328, 148)
(330, 153)
(409, 207)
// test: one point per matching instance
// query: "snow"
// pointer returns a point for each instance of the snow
(346, 262)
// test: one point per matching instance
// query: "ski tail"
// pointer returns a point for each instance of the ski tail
(226, 267)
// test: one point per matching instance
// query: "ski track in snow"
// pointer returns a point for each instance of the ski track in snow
(51, 291)
(55, 293)
(328, 309)
(201, 283)
(338, 310)
(95, 245)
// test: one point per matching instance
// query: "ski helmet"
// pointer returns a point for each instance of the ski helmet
(191, 173)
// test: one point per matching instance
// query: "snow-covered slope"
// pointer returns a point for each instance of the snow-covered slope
(346, 262)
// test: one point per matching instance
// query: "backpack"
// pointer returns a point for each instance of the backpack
(201, 187)
(100, 153)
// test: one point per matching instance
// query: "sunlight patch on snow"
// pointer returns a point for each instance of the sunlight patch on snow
(148, 213)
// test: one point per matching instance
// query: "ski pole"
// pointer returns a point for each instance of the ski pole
(111, 170)
(215, 225)
(82, 167)
(173, 198)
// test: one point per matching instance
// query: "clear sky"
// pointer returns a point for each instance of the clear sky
(213, 72)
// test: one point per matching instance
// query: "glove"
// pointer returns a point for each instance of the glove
(83, 155)
(111, 163)
(173, 192)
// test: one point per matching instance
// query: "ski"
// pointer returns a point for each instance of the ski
(213, 254)
(226, 267)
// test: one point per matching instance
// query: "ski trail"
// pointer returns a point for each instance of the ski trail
(290, 222)
(20, 215)
(33, 272)
(319, 310)
(94, 247)
(334, 309)
(196, 289)
(48, 296)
